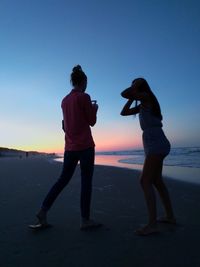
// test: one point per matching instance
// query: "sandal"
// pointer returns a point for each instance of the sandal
(147, 230)
(39, 226)
(89, 225)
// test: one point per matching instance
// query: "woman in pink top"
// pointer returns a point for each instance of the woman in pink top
(78, 115)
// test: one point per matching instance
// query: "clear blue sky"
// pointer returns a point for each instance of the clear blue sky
(114, 42)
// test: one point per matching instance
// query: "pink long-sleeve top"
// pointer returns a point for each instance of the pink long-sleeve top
(79, 114)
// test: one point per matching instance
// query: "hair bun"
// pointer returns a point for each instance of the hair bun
(77, 68)
(77, 75)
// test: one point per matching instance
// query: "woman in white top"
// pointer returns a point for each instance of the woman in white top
(156, 147)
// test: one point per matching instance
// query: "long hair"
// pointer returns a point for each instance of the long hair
(144, 87)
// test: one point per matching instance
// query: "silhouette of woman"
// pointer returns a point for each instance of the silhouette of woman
(78, 115)
(156, 147)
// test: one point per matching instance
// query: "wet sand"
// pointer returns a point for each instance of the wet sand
(117, 202)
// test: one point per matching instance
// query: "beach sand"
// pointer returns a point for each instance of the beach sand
(117, 202)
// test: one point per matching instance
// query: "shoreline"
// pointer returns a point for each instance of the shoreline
(178, 173)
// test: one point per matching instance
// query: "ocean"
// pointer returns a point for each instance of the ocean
(181, 156)
(183, 163)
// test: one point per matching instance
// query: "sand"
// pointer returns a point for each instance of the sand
(117, 202)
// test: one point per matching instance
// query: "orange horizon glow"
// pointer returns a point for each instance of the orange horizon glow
(60, 150)
(111, 140)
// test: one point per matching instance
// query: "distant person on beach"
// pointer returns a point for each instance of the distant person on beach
(79, 113)
(156, 148)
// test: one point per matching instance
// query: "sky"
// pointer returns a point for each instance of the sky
(114, 42)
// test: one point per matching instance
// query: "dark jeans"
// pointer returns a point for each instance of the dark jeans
(71, 158)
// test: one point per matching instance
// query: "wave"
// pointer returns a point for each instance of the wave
(174, 151)
(181, 156)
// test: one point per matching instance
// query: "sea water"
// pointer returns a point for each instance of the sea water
(182, 156)
(183, 163)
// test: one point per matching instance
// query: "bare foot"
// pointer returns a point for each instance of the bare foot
(168, 220)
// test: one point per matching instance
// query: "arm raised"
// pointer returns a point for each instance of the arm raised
(126, 111)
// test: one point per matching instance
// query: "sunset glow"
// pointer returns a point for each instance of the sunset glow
(40, 44)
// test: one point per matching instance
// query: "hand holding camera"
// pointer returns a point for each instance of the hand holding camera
(94, 104)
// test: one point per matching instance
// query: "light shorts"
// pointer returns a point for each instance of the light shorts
(155, 142)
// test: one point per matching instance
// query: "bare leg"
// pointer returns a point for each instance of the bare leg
(152, 176)
(150, 199)
(148, 174)
(164, 194)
